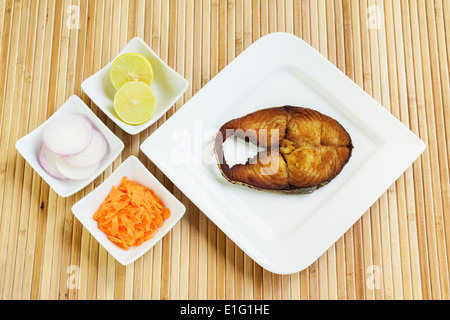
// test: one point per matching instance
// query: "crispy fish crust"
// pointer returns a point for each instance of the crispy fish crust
(304, 150)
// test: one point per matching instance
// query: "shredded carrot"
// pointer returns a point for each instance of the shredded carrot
(131, 214)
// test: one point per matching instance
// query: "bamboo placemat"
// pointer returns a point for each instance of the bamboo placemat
(397, 51)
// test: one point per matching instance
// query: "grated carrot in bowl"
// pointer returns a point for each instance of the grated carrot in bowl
(131, 214)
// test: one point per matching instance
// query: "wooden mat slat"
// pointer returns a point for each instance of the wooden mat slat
(397, 51)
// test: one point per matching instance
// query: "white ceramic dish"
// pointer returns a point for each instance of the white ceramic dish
(283, 233)
(29, 145)
(167, 84)
(134, 170)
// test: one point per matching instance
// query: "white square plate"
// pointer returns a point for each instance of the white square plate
(134, 170)
(283, 233)
(29, 145)
(167, 84)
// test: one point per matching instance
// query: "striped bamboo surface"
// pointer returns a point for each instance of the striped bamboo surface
(397, 51)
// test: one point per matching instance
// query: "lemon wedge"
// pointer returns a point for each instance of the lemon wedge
(130, 67)
(135, 102)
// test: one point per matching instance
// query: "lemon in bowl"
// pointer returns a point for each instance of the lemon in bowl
(135, 102)
(131, 67)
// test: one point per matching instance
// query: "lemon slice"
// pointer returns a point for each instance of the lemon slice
(135, 102)
(130, 67)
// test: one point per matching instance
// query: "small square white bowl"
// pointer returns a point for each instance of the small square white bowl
(167, 84)
(29, 145)
(134, 170)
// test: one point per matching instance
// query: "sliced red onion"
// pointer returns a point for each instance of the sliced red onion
(93, 154)
(68, 135)
(75, 173)
(47, 160)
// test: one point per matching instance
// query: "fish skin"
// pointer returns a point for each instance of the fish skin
(304, 150)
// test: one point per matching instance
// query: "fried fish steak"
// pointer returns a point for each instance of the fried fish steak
(303, 150)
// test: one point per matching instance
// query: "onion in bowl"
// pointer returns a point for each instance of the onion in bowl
(72, 148)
